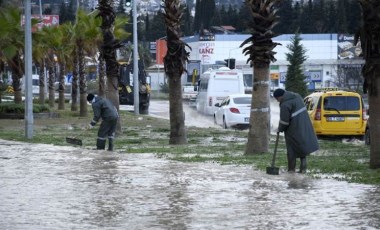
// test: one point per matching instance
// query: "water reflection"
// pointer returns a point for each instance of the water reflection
(299, 181)
(74, 188)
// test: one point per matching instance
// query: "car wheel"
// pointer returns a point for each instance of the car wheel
(367, 137)
(224, 123)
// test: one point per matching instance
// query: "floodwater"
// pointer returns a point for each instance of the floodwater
(160, 109)
(50, 187)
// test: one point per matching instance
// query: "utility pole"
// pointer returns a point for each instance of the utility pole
(28, 117)
(136, 82)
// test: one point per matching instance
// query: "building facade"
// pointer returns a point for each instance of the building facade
(333, 60)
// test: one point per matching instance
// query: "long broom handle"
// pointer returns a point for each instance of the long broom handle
(81, 133)
(275, 149)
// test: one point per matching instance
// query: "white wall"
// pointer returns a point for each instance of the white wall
(321, 50)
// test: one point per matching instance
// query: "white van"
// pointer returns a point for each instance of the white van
(216, 84)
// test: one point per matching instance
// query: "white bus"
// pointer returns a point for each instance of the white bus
(216, 84)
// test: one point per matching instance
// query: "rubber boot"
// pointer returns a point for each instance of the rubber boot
(100, 144)
(303, 165)
(110, 144)
(291, 164)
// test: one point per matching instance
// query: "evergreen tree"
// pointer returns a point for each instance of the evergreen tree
(208, 13)
(233, 16)
(243, 17)
(341, 17)
(189, 5)
(147, 28)
(216, 20)
(72, 10)
(48, 10)
(286, 17)
(67, 13)
(331, 18)
(224, 17)
(296, 18)
(295, 78)
(197, 17)
(319, 17)
(157, 28)
(353, 20)
(121, 7)
(306, 23)
(63, 13)
(141, 35)
(204, 13)
(186, 22)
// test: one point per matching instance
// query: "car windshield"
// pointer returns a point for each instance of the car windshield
(343, 103)
(242, 100)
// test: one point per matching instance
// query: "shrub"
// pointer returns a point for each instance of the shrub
(20, 108)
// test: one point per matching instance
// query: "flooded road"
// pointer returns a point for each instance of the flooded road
(160, 109)
(50, 187)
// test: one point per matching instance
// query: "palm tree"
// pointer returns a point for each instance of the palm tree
(63, 50)
(174, 63)
(260, 55)
(370, 42)
(87, 37)
(71, 62)
(12, 46)
(51, 40)
(39, 53)
(109, 46)
(120, 34)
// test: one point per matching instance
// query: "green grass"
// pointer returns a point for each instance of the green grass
(144, 134)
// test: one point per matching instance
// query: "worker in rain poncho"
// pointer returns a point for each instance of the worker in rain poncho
(300, 137)
(105, 110)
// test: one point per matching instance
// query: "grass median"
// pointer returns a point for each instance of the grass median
(336, 159)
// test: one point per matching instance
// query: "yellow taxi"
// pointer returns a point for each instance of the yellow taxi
(336, 112)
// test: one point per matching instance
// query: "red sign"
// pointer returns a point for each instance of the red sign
(161, 50)
(47, 20)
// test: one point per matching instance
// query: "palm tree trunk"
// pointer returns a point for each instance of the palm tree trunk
(260, 49)
(61, 89)
(102, 77)
(74, 83)
(42, 83)
(178, 133)
(174, 62)
(51, 85)
(82, 82)
(370, 42)
(374, 103)
(258, 135)
(16, 84)
(109, 53)
(16, 79)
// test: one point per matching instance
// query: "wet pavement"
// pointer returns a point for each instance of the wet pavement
(51, 187)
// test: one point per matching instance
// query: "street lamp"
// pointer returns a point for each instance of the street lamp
(128, 3)
(135, 61)
(28, 72)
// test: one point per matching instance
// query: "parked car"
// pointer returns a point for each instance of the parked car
(337, 112)
(188, 92)
(234, 111)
